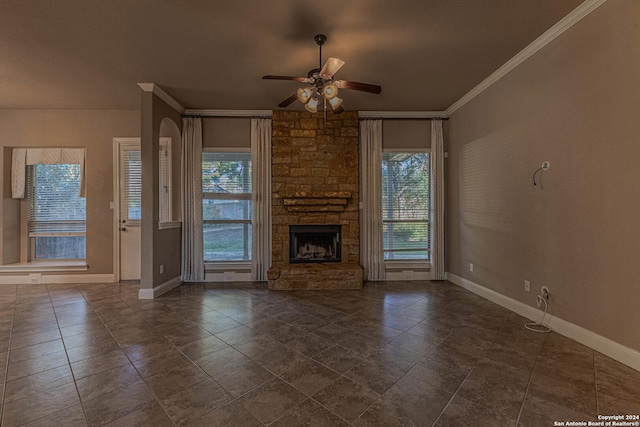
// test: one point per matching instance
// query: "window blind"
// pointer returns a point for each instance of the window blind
(132, 185)
(55, 209)
(226, 172)
(406, 205)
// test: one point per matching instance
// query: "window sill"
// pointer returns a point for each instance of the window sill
(169, 224)
(44, 266)
(407, 264)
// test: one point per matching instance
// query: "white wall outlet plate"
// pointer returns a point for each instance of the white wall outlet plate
(527, 286)
(471, 267)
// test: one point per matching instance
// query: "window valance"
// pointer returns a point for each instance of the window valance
(21, 157)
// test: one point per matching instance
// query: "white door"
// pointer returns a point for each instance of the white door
(130, 210)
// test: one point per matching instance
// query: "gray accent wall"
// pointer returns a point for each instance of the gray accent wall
(574, 103)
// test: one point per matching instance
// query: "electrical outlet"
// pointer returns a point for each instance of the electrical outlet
(527, 286)
(471, 267)
(161, 269)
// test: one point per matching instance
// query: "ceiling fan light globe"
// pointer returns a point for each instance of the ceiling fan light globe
(335, 102)
(304, 94)
(312, 105)
(330, 91)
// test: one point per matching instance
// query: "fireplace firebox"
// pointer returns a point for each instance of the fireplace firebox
(314, 243)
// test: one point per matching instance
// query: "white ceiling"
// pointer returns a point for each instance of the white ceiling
(90, 54)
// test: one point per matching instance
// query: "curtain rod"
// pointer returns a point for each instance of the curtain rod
(401, 118)
(227, 113)
(403, 114)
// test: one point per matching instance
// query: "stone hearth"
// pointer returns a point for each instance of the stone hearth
(315, 181)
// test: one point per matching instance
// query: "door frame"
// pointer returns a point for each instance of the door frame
(117, 143)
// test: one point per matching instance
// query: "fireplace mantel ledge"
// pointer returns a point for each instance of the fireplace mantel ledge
(315, 201)
(314, 194)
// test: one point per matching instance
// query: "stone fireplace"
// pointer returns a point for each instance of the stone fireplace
(315, 186)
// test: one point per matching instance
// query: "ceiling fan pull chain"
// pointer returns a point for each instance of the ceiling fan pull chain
(325, 111)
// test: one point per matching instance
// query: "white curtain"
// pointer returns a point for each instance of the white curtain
(261, 197)
(371, 251)
(437, 191)
(21, 157)
(192, 250)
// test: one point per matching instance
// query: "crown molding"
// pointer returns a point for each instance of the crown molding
(402, 114)
(228, 113)
(157, 90)
(560, 27)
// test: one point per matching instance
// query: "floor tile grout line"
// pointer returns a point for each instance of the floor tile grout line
(208, 375)
(128, 358)
(68, 363)
(321, 302)
(157, 399)
(469, 373)
(526, 392)
(279, 376)
(73, 376)
(6, 367)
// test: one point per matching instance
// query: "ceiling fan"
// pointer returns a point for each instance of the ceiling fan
(321, 84)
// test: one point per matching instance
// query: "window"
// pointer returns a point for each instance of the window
(57, 215)
(226, 206)
(131, 170)
(131, 177)
(164, 184)
(405, 206)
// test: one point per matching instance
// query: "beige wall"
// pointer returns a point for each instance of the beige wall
(575, 104)
(226, 132)
(406, 134)
(90, 129)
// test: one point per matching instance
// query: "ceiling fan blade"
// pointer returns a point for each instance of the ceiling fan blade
(298, 79)
(289, 100)
(338, 110)
(364, 87)
(331, 67)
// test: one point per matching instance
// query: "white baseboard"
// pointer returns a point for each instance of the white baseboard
(619, 352)
(39, 278)
(152, 293)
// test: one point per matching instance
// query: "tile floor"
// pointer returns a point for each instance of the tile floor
(392, 354)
